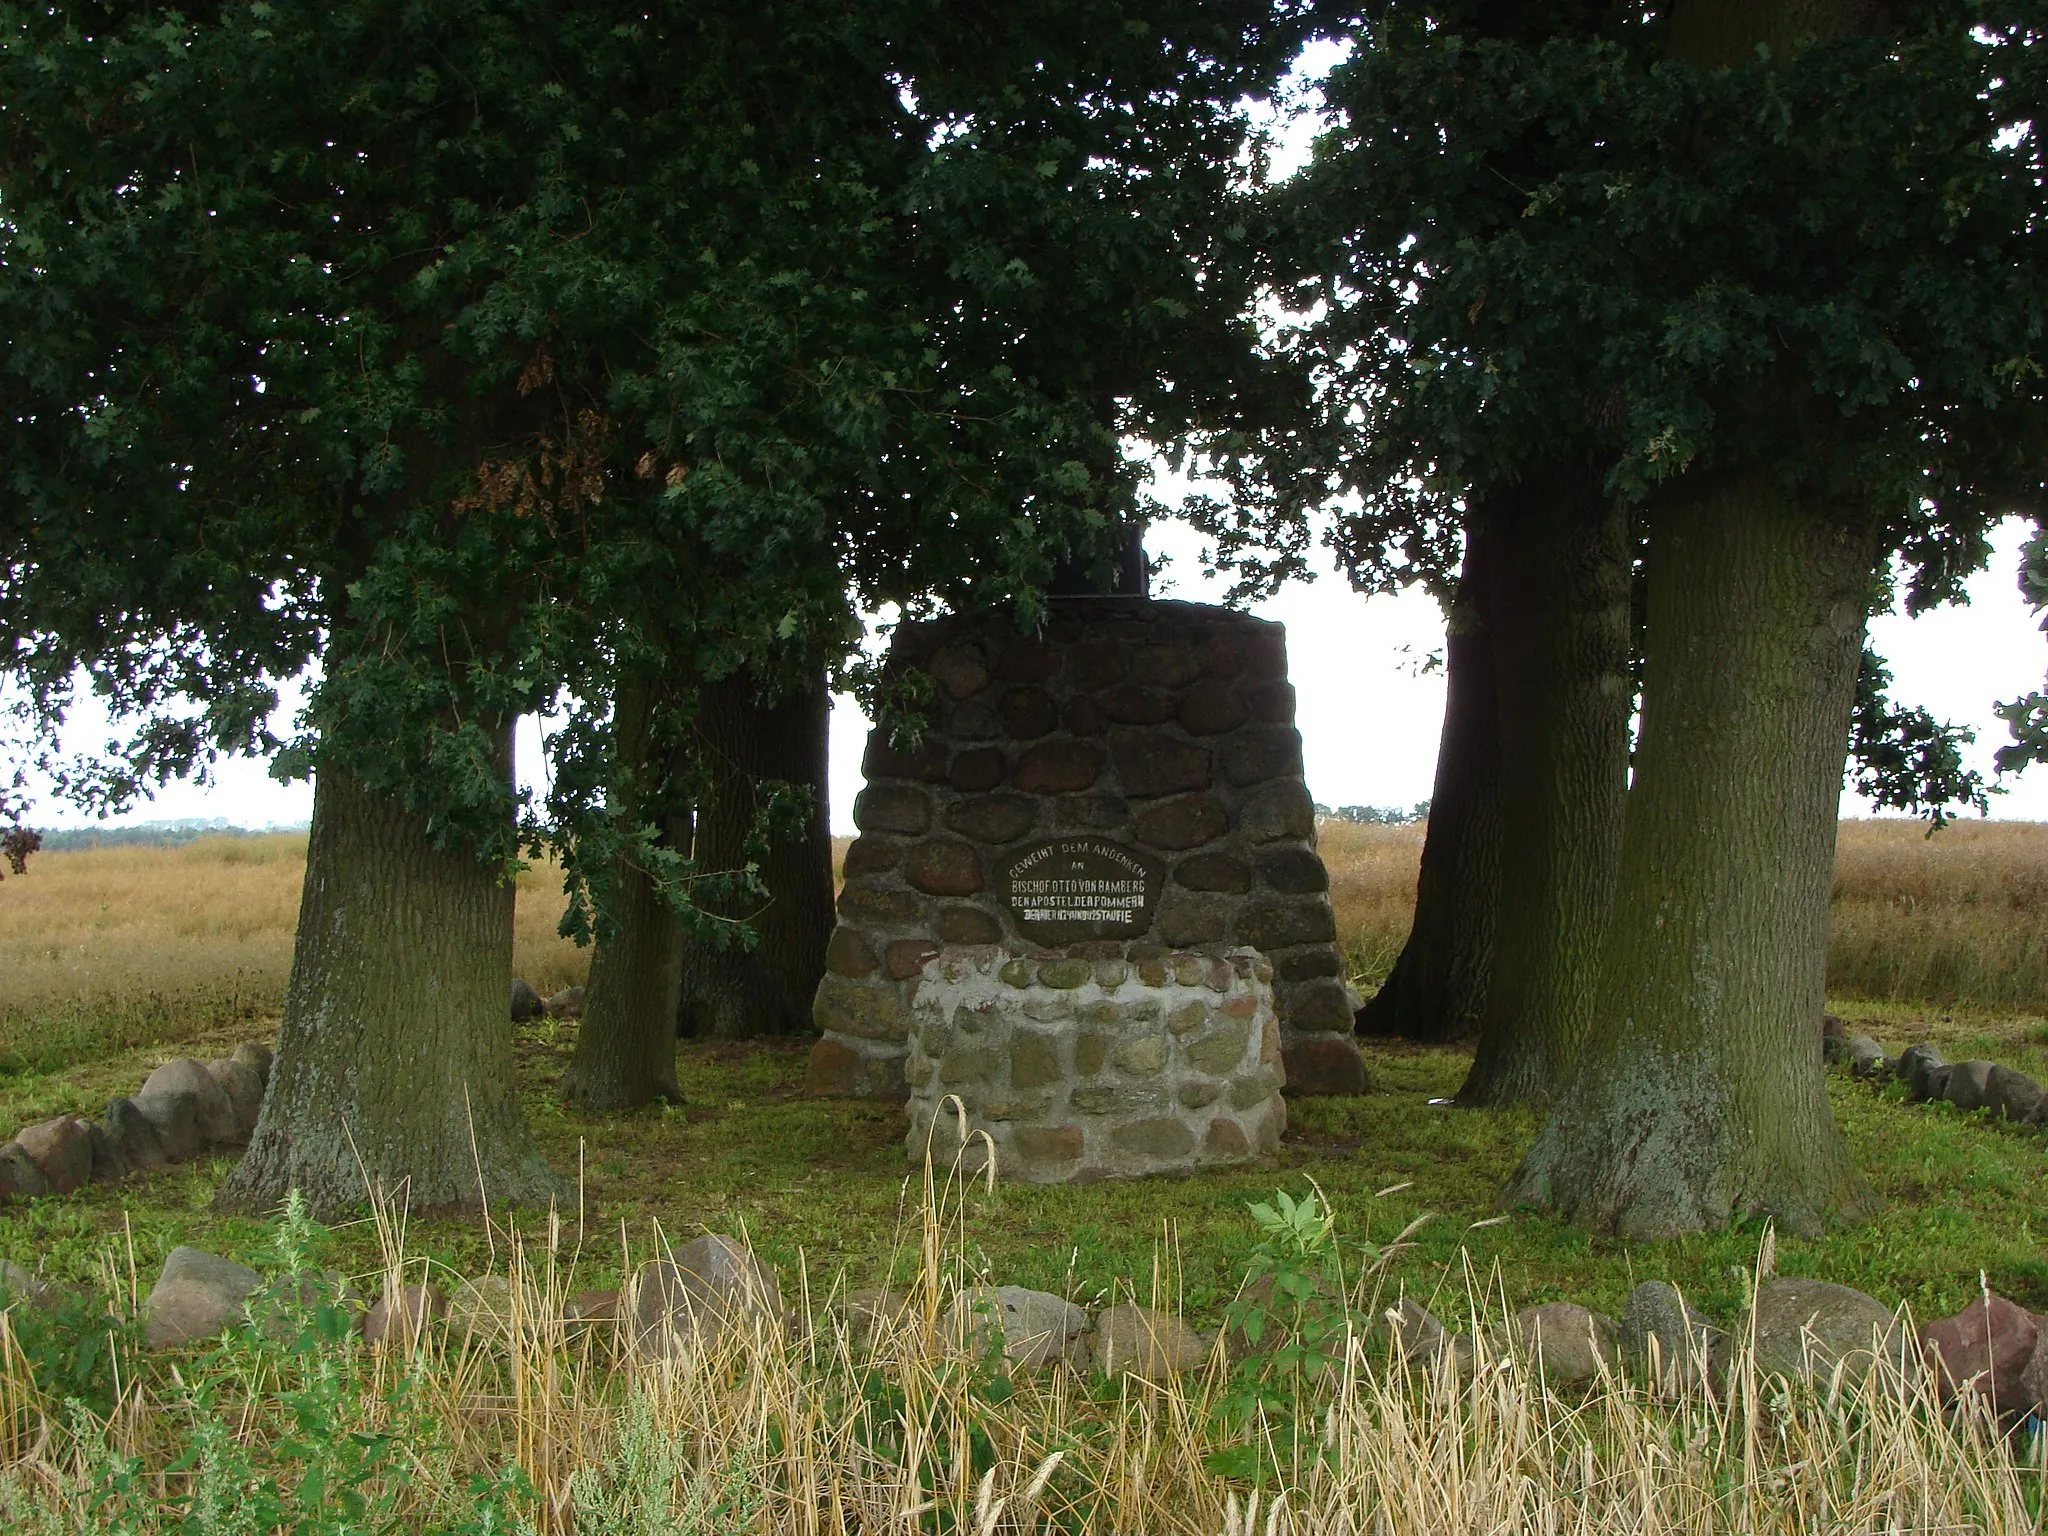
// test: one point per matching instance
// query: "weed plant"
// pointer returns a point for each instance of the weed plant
(895, 1421)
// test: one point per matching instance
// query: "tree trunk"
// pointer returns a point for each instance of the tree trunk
(626, 1039)
(394, 1067)
(1560, 616)
(1698, 1094)
(1437, 988)
(733, 993)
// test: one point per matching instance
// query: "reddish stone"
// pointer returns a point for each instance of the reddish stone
(977, 769)
(1082, 717)
(1323, 1064)
(1028, 661)
(1165, 666)
(1131, 704)
(871, 856)
(1029, 713)
(1210, 708)
(992, 818)
(1214, 872)
(1271, 752)
(883, 760)
(417, 1308)
(944, 866)
(959, 670)
(1294, 871)
(1983, 1348)
(1272, 703)
(1058, 767)
(1242, 1006)
(62, 1148)
(1094, 664)
(592, 1307)
(848, 954)
(893, 808)
(966, 925)
(1185, 823)
(834, 1071)
(1153, 763)
(906, 957)
(1226, 1138)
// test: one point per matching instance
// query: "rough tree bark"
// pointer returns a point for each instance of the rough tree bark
(1698, 1093)
(394, 1067)
(1437, 988)
(626, 1039)
(1560, 615)
(731, 993)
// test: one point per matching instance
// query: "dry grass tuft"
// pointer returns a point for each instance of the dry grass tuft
(889, 1422)
(1961, 917)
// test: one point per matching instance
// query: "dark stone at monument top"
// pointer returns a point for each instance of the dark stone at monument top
(1128, 779)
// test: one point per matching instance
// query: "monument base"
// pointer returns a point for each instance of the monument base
(1139, 1061)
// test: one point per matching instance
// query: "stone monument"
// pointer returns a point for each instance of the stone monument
(1124, 788)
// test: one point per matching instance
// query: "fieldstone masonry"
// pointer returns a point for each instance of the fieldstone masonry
(1143, 1061)
(1130, 776)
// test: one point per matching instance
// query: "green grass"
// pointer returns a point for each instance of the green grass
(826, 1182)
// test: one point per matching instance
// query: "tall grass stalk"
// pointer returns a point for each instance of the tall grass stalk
(891, 1420)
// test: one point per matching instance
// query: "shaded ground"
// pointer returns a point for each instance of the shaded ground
(824, 1183)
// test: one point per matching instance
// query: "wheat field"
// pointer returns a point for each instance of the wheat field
(139, 939)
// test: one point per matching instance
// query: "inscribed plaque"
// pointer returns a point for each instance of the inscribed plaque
(1079, 888)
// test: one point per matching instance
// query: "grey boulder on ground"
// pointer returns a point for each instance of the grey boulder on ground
(110, 1164)
(195, 1297)
(709, 1288)
(1809, 1327)
(526, 1003)
(873, 1312)
(2034, 1375)
(1569, 1342)
(1422, 1340)
(1131, 1340)
(255, 1054)
(243, 1085)
(16, 1283)
(175, 1117)
(400, 1322)
(216, 1116)
(1922, 1070)
(20, 1175)
(1037, 1327)
(565, 1004)
(62, 1148)
(134, 1135)
(1667, 1339)
(1865, 1056)
(1986, 1349)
